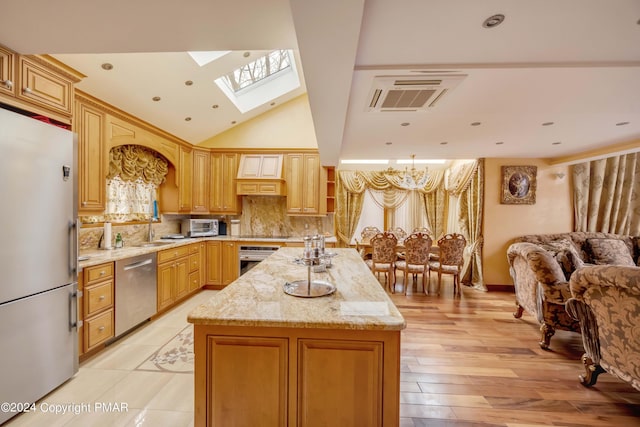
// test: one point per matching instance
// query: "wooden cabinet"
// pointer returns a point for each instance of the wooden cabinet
(305, 196)
(223, 198)
(330, 174)
(200, 180)
(196, 268)
(7, 71)
(173, 276)
(296, 376)
(97, 305)
(185, 187)
(38, 84)
(222, 263)
(90, 127)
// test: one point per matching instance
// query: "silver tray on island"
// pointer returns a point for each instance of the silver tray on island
(304, 289)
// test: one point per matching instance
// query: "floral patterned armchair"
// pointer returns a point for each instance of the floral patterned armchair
(541, 265)
(606, 301)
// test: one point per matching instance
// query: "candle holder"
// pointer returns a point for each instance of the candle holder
(312, 258)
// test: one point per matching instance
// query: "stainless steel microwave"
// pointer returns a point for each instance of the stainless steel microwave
(199, 227)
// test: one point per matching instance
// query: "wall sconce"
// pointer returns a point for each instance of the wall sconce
(558, 175)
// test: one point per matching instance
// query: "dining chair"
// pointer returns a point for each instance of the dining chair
(450, 260)
(365, 238)
(383, 257)
(398, 232)
(423, 230)
(416, 259)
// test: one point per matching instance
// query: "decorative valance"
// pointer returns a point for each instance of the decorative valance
(358, 181)
(135, 162)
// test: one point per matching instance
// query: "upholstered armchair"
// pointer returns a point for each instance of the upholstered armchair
(606, 301)
(541, 289)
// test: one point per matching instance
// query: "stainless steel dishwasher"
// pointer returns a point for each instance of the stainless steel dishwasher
(136, 291)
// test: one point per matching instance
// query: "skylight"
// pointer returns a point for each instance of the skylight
(202, 58)
(257, 70)
(261, 81)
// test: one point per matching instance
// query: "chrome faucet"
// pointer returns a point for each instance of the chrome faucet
(151, 233)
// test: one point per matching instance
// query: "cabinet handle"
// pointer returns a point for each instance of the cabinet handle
(84, 203)
(7, 83)
(101, 328)
(101, 298)
(27, 91)
(102, 273)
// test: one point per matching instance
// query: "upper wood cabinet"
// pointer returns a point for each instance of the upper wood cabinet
(89, 125)
(260, 166)
(7, 71)
(185, 184)
(38, 84)
(223, 198)
(201, 178)
(305, 195)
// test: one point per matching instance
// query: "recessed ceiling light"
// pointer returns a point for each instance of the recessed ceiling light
(493, 21)
(444, 143)
(475, 124)
(547, 123)
(107, 66)
(233, 122)
(272, 104)
(622, 123)
(405, 124)
(556, 143)
(215, 106)
(246, 54)
(388, 143)
(156, 98)
(187, 119)
(188, 83)
(499, 143)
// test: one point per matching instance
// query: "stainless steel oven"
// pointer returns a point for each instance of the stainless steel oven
(249, 256)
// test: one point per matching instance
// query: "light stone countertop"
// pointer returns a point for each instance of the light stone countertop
(257, 298)
(99, 256)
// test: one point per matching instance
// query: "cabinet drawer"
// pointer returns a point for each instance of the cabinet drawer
(172, 254)
(272, 188)
(98, 273)
(194, 248)
(98, 297)
(194, 262)
(43, 86)
(98, 329)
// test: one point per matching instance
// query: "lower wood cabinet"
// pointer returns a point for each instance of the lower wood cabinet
(173, 276)
(96, 305)
(296, 377)
(222, 263)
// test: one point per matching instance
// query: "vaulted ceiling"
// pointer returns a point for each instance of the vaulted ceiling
(556, 78)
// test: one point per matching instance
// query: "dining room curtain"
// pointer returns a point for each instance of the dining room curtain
(606, 195)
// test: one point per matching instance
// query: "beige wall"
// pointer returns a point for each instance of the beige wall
(289, 125)
(552, 213)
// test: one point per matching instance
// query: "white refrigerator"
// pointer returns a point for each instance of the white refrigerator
(38, 258)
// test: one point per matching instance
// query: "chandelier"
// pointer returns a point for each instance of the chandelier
(413, 180)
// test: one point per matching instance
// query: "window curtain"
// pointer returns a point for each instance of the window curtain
(606, 195)
(135, 172)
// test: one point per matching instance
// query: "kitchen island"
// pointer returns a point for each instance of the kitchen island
(266, 358)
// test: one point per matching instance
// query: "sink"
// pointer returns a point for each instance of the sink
(152, 244)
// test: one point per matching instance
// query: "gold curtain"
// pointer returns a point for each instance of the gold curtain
(606, 195)
(348, 206)
(470, 218)
(133, 162)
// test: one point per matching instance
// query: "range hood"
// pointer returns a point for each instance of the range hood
(260, 174)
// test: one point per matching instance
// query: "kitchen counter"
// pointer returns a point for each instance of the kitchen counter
(257, 298)
(99, 256)
(331, 360)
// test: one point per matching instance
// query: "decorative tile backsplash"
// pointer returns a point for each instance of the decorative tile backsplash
(263, 216)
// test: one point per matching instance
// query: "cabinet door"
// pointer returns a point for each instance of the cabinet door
(294, 177)
(200, 202)
(89, 126)
(184, 180)
(339, 383)
(213, 257)
(311, 184)
(216, 190)
(247, 380)
(166, 279)
(230, 200)
(7, 71)
(229, 262)
(42, 86)
(182, 278)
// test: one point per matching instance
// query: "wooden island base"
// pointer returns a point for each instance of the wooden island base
(255, 376)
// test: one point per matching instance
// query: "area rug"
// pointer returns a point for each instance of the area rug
(175, 356)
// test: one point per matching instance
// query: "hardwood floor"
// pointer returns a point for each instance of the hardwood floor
(469, 362)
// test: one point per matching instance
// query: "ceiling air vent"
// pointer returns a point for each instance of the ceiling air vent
(408, 93)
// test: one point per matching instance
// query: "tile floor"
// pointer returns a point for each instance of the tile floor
(153, 398)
